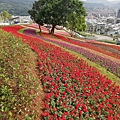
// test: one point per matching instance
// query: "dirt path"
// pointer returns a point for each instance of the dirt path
(101, 37)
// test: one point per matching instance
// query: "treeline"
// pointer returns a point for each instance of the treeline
(19, 7)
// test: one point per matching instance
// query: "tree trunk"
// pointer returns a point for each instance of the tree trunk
(49, 30)
(52, 30)
(40, 28)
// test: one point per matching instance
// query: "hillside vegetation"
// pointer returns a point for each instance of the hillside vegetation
(21, 7)
(18, 79)
(16, 7)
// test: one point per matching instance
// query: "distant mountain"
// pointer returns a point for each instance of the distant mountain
(21, 7)
(97, 1)
(16, 7)
(105, 2)
(91, 6)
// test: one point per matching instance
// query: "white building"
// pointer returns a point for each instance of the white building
(20, 19)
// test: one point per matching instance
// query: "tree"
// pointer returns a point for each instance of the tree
(58, 12)
(76, 23)
(5, 15)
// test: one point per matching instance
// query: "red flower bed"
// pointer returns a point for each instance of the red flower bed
(90, 46)
(106, 48)
(105, 44)
(14, 30)
(110, 64)
(73, 89)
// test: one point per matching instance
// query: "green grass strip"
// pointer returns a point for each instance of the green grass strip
(107, 41)
(22, 30)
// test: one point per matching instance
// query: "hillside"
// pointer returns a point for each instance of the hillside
(67, 78)
(19, 7)
(91, 6)
(97, 1)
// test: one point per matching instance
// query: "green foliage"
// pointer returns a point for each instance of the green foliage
(5, 15)
(16, 78)
(76, 19)
(69, 13)
(85, 34)
(16, 7)
(27, 117)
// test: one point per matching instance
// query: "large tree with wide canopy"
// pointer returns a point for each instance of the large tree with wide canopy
(68, 13)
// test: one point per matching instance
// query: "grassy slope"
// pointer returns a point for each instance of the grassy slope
(18, 79)
(107, 41)
(16, 7)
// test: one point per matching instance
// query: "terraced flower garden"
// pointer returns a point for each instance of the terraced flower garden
(73, 88)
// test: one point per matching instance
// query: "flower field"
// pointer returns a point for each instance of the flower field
(73, 89)
(107, 59)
